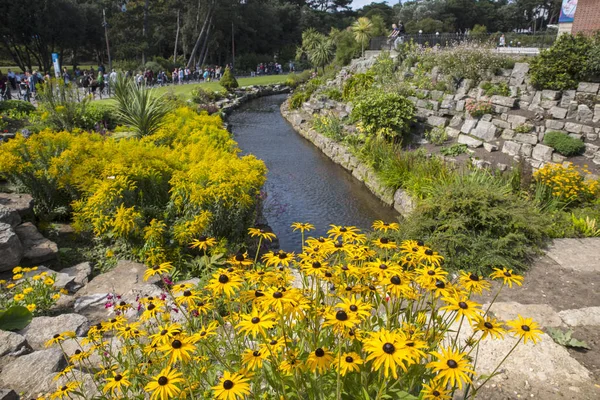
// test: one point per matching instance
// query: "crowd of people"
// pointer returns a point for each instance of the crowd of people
(272, 68)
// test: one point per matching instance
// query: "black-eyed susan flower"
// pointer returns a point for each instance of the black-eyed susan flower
(188, 298)
(303, 227)
(117, 383)
(253, 359)
(354, 305)
(224, 282)
(257, 322)
(262, 234)
(452, 367)
(435, 390)
(203, 243)
(344, 232)
(206, 331)
(164, 333)
(348, 362)
(64, 392)
(429, 256)
(278, 258)
(164, 385)
(387, 351)
(525, 328)
(340, 320)
(275, 298)
(240, 259)
(384, 226)
(319, 360)
(385, 243)
(463, 307)
(490, 327)
(472, 282)
(507, 276)
(161, 269)
(231, 387)
(179, 348)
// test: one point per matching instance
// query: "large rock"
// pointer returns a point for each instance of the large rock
(542, 314)
(42, 329)
(22, 203)
(10, 248)
(588, 87)
(80, 275)
(485, 131)
(33, 373)
(9, 216)
(11, 342)
(511, 148)
(403, 202)
(589, 316)
(468, 126)
(469, 141)
(558, 112)
(61, 280)
(542, 152)
(437, 121)
(519, 72)
(526, 138)
(7, 394)
(584, 114)
(36, 248)
(554, 124)
(503, 101)
(516, 120)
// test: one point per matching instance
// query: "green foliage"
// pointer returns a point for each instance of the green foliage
(566, 63)
(564, 144)
(566, 339)
(63, 105)
(470, 61)
(437, 135)
(303, 94)
(15, 318)
(16, 105)
(478, 223)
(228, 81)
(356, 85)
(295, 80)
(139, 107)
(346, 47)
(333, 93)
(153, 66)
(383, 114)
(585, 227)
(524, 128)
(330, 126)
(203, 96)
(363, 30)
(427, 25)
(98, 115)
(455, 150)
(479, 30)
(383, 69)
(493, 89)
(317, 47)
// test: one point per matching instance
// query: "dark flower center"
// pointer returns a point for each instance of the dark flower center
(525, 328)
(277, 295)
(98, 326)
(316, 264)
(342, 229)
(319, 352)
(373, 288)
(474, 277)
(341, 315)
(255, 320)
(351, 332)
(507, 274)
(163, 380)
(420, 243)
(58, 335)
(488, 325)
(201, 304)
(202, 239)
(112, 321)
(389, 348)
(431, 272)
(239, 257)
(273, 342)
(77, 351)
(384, 240)
(428, 252)
(63, 388)
(349, 359)
(230, 269)
(203, 333)
(282, 256)
(156, 268)
(463, 305)
(127, 329)
(348, 288)
(187, 293)
(383, 266)
(345, 268)
(118, 378)
(256, 353)
(122, 304)
(440, 285)
(150, 298)
(223, 279)
(435, 393)
(353, 308)
(227, 385)
(258, 293)
(328, 275)
(339, 245)
(415, 249)
(151, 307)
(452, 364)
(321, 240)
(176, 344)
(395, 280)
(261, 273)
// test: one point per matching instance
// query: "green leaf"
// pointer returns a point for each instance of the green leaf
(578, 344)
(15, 318)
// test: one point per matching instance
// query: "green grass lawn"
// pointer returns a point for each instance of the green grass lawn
(185, 91)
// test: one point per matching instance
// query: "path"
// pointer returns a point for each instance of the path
(562, 290)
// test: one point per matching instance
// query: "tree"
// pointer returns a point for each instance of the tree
(363, 30)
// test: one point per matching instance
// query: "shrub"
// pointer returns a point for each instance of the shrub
(356, 85)
(492, 89)
(295, 80)
(383, 114)
(98, 116)
(470, 61)
(562, 66)
(478, 223)
(455, 150)
(333, 94)
(228, 80)
(564, 144)
(203, 96)
(567, 184)
(329, 126)
(478, 108)
(437, 135)
(246, 331)
(16, 105)
(524, 128)
(62, 105)
(303, 94)
(139, 107)
(27, 288)
(155, 194)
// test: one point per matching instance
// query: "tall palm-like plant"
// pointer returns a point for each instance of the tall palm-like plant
(363, 30)
(322, 53)
(139, 107)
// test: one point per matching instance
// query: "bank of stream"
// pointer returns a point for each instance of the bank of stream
(303, 185)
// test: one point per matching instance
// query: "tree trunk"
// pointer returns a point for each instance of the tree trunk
(204, 25)
(145, 31)
(176, 37)
(205, 45)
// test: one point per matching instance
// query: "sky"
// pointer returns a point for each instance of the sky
(360, 3)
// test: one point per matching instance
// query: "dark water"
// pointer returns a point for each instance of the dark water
(303, 185)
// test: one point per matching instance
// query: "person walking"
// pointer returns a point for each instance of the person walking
(65, 75)
(502, 42)
(12, 79)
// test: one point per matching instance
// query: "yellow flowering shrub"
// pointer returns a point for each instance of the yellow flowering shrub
(27, 288)
(187, 176)
(568, 183)
(349, 317)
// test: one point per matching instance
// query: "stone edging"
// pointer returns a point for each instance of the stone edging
(227, 106)
(400, 200)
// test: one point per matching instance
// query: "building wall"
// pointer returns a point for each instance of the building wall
(587, 16)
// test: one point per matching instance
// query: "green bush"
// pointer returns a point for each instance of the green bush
(455, 150)
(564, 65)
(470, 61)
(357, 84)
(564, 144)
(295, 80)
(333, 94)
(62, 105)
(478, 223)
(17, 105)
(228, 81)
(383, 114)
(203, 96)
(98, 114)
(437, 135)
(492, 89)
(303, 94)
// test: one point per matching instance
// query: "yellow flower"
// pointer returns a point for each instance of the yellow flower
(507, 276)
(164, 385)
(27, 290)
(451, 367)
(16, 277)
(161, 269)
(231, 387)
(319, 360)
(525, 328)
(262, 234)
(48, 281)
(348, 362)
(31, 307)
(55, 296)
(16, 270)
(19, 297)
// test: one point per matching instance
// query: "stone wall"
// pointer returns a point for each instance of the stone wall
(301, 120)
